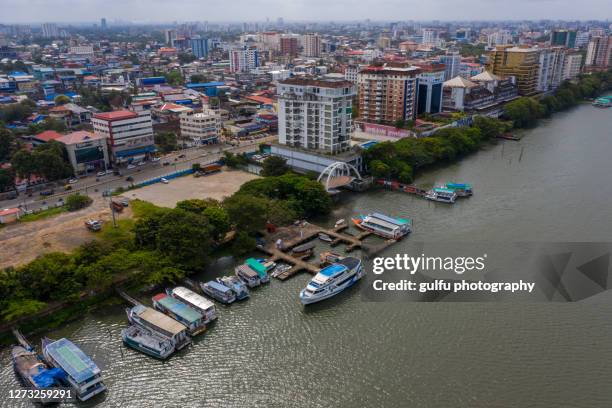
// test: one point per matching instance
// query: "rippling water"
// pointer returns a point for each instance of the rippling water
(271, 352)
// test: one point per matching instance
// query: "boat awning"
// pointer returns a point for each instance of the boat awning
(72, 360)
(256, 265)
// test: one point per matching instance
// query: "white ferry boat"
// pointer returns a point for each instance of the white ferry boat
(147, 341)
(158, 322)
(248, 275)
(382, 225)
(82, 374)
(199, 303)
(218, 291)
(461, 189)
(332, 280)
(442, 195)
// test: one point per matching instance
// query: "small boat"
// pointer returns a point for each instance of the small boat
(179, 311)
(247, 275)
(31, 369)
(441, 195)
(382, 225)
(603, 102)
(280, 268)
(147, 341)
(218, 291)
(340, 222)
(82, 374)
(304, 248)
(236, 285)
(199, 303)
(261, 267)
(332, 280)
(330, 257)
(159, 323)
(461, 189)
(325, 237)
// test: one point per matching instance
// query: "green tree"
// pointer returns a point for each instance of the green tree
(77, 201)
(379, 169)
(7, 180)
(243, 244)
(174, 78)
(7, 144)
(523, 112)
(166, 141)
(247, 212)
(274, 166)
(61, 100)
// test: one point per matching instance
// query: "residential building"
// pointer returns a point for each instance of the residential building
(351, 72)
(501, 37)
(87, 151)
(129, 134)
(599, 52)
(315, 114)
(452, 63)
(50, 30)
(484, 94)
(430, 80)
(564, 38)
(431, 37)
(103, 25)
(82, 51)
(582, 39)
(289, 45)
(244, 59)
(201, 127)
(199, 47)
(571, 68)
(384, 42)
(519, 62)
(388, 93)
(312, 45)
(170, 36)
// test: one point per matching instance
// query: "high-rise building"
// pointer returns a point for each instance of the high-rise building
(582, 39)
(501, 37)
(452, 64)
(289, 46)
(564, 38)
(429, 96)
(202, 127)
(571, 68)
(129, 134)
(351, 72)
(430, 37)
(50, 30)
(199, 47)
(103, 23)
(388, 93)
(312, 45)
(599, 52)
(171, 36)
(519, 62)
(315, 114)
(244, 59)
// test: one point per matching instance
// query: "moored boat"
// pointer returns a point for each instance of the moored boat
(33, 372)
(332, 280)
(325, 237)
(280, 268)
(199, 303)
(247, 275)
(261, 267)
(159, 323)
(236, 285)
(218, 291)
(147, 341)
(442, 195)
(384, 226)
(179, 311)
(461, 189)
(82, 374)
(327, 258)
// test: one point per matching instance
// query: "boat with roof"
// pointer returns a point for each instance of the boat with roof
(332, 280)
(32, 370)
(199, 303)
(261, 267)
(179, 311)
(236, 285)
(147, 341)
(383, 225)
(441, 195)
(82, 374)
(461, 189)
(161, 324)
(247, 275)
(219, 292)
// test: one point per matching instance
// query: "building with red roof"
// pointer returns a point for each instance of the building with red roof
(46, 137)
(86, 151)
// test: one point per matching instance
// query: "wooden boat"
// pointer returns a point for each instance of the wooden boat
(325, 237)
(147, 341)
(304, 248)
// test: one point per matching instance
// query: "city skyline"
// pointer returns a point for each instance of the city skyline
(157, 11)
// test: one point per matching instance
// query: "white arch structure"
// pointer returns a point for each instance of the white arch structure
(337, 169)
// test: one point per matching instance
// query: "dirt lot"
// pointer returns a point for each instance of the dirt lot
(22, 242)
(215, 186)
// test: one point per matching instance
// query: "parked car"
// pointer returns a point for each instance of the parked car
(124, 201)
(166, 163)
(101, 174)
(46, 193)
(155, 159)
(129, 178)
(182, 156)
(72, 181)
(131, 166)
(164, 180)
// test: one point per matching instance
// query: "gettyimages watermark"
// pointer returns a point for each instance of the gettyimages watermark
(460, 272)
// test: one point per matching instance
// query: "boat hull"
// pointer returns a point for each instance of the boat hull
(310, 299)
(145, 350)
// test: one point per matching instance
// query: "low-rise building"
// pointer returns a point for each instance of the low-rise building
(484, 93)
(201, 127)
(87, 151)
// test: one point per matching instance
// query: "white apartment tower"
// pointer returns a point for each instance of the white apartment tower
(312, 45)
(244, 59)
(315, 114)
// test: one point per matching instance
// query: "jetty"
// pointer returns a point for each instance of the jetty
(301, 233)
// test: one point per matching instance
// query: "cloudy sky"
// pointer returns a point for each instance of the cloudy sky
(25, 11)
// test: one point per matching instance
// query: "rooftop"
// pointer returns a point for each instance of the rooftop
(116, 115)
(48, 135)
(323, 83)
(79, 137)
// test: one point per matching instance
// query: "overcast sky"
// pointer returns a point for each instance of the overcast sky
(25, 11)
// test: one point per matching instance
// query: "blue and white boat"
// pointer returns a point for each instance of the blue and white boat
(181, 312)
(383, 225)
(82, 374)
(236, 285)
(247, 275)
(218, 291)
(461, 189)
(199, 303)
(441, 195)
(147, 341)
(332, 280)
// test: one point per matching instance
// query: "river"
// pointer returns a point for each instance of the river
(553, 185)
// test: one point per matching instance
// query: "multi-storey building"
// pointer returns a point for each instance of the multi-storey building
(501, 37)
(571, 68)
(170, 36)
(315, 114)
(244, 59)
(599, 52)
(388, 93)
(201, 127)
(429, 97)
(564, 38)
(519, 62)
(289, 45)
(86, 151)
(199, 47)
(431, 37)
(129, 134)
(452, 64)
(351, 72)
(50, 30)
(312, 45)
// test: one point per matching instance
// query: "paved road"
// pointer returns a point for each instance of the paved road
(89, 185)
